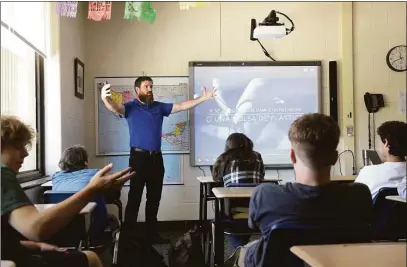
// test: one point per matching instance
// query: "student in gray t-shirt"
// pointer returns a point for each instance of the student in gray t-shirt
(312, 198)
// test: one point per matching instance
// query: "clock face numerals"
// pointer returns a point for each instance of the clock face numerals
(396, 58)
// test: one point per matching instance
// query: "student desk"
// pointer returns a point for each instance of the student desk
(396, 198)
(220, 194)
(49, 184)
(114, 200)
(344, 178)
(384, 254)
(7, 264)
(86, 211)
(206, 183)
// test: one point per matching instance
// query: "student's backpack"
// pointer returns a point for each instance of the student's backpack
(187, 251)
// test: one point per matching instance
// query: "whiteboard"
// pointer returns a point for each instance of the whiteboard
(112, 132)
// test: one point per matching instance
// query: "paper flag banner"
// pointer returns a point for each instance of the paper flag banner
(188, 5)
(140, 10)
(66, 9)
(100, 11)
(148, 13)
(132, 10)
(201, 4)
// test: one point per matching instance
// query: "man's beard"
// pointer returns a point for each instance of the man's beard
(146, 98)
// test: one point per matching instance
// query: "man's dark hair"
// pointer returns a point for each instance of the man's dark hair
(140, 80)
(395, 132)
(74, 159)
(315, 138)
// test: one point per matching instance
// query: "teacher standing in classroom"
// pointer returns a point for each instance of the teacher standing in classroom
(145, 120)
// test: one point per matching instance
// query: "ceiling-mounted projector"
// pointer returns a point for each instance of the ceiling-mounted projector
(270, 28)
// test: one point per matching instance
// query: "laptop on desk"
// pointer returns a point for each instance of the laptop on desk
(371, 157)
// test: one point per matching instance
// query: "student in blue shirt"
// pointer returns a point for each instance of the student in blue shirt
(74, 176)
(145, 118)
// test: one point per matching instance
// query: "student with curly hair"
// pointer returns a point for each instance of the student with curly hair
(22, 225)
(393, 153)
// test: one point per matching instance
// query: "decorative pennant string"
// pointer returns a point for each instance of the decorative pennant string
(67, 9)
(140, 10)
(100, 11)
(188, 5)
(132, 10)
(148, 13)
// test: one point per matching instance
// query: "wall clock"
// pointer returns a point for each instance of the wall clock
(396, 58)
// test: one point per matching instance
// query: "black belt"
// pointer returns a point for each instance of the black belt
(137, 149)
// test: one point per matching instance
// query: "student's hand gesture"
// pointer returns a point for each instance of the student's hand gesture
(104, 181)
(209, 94)
(105, 91)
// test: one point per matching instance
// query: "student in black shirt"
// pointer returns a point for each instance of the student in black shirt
(312, 198)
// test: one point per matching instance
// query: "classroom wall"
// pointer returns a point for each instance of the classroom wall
(219, 31)
(73, 108)
(378, 26)
(64, 113)
(215, 32)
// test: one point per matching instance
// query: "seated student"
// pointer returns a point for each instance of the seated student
(392, 151)
(401, 188)
(19, 217)
(312, 198)
(74, 176)
(238, 164)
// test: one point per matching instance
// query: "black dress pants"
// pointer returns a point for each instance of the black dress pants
(149, 170)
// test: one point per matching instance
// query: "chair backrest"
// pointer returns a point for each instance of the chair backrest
(99, 214)
(74, 231)
(389, 219)
(53, 197)
(283, 236)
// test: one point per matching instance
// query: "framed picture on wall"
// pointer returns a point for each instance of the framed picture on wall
(79, 79)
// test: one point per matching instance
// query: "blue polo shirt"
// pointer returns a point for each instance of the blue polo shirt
(145, 123)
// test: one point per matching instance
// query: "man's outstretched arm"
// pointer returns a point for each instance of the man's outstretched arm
(177, 107)
(108, 101)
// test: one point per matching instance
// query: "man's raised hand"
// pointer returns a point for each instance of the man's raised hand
(105, 91)
(209, 94)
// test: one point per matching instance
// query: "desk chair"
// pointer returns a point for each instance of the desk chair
(233, 226)
(74, 233)
(283, 236)
(101, 235)
(113, 197)
(389, 217)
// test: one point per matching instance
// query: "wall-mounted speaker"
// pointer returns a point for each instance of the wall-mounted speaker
(333, 90)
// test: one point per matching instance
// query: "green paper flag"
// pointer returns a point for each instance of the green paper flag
(148, 13)
(132, 10)
(140, 10)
